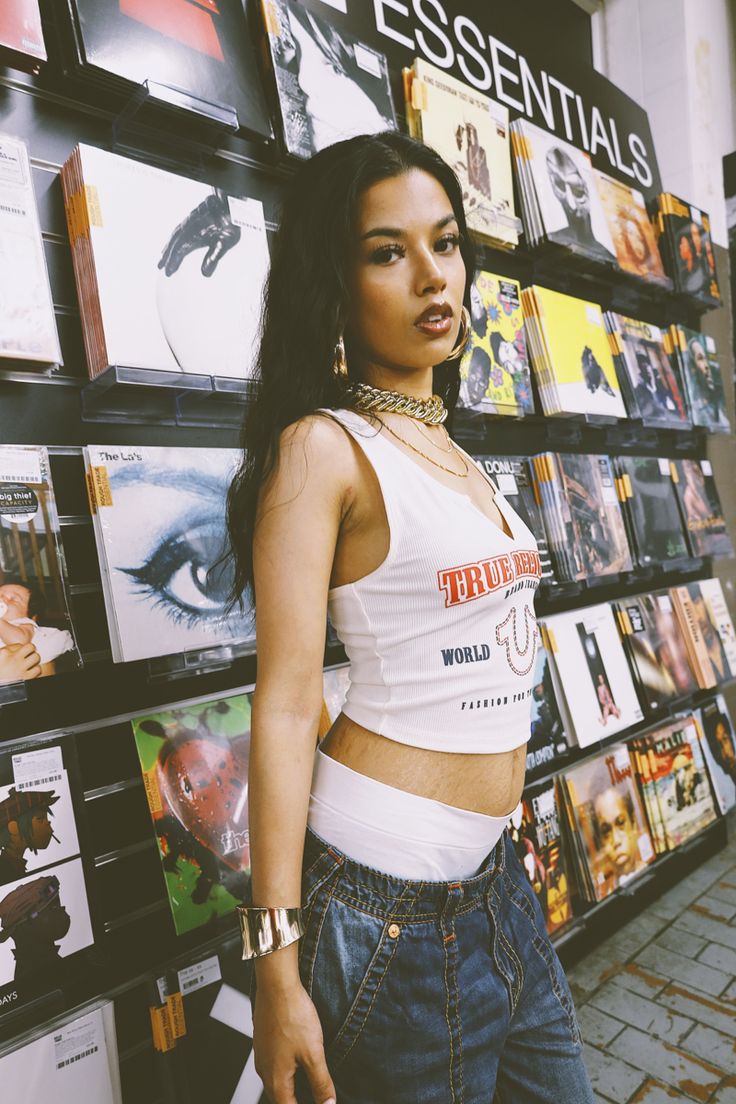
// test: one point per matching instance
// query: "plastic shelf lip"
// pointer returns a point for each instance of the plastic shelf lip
(120, 853)
(200, 660)
(132, 917)
(13, 692)
(113, 788)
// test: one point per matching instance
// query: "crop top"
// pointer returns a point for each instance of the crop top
(442, 635)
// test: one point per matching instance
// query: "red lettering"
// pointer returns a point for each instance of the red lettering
(473, 582)
(449, 582)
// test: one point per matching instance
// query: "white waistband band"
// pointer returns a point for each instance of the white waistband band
(397, 832)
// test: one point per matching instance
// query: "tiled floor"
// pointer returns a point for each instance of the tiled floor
(657, 1001)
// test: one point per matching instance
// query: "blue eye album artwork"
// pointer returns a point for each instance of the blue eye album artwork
(159, 518)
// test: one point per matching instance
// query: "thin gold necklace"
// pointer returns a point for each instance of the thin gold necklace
(432, 440)
(459, 475)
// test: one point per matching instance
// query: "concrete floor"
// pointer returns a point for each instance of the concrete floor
(657, 1001)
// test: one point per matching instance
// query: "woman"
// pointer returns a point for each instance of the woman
(424, 972)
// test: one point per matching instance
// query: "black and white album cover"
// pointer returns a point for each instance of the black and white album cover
(27, 323)
(511, 476)
(650, 385)
(548, 743)
(160, 531)
(70, 1059)
(719, 749)
(598, 526)
(169, 271)
(202, 48)
(651, 505)
(329, 85)
(700, 505)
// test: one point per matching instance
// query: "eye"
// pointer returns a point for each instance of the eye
(447, 244)
(387, 253)
(183, 575)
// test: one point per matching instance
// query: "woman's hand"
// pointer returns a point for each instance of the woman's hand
(19, 662)
(287, 1034)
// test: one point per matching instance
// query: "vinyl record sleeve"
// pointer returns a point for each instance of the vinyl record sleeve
(701, 509)
(702, 377)
(21, 33)
(580, 363)
(538, 845)
(570, 210)
(689, 247)
(203, 49)
(709, 605)
(177, 267)
(593, 673)
(548, 742)
(44, 922)
(654, 392)
(471, 132)
(27, 322)
(330, 86)
(511, 476)
(719, 749)
(75, 1059)
(194, 760)
(33, 603)
(633, 235)
(494, 370)
(681, 780)
(599, 533)
(656, 649)
(610, 819)
(160, 531)
(700, 638)
(653, 509)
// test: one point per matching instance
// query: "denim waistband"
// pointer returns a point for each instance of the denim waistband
(397, 898)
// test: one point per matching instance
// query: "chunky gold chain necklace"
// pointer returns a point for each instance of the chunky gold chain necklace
(374, 400)
(459, 475)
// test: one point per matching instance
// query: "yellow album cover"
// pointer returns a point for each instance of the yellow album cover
(494, 371)
(471, 132)
(580, 356)
(634, 237)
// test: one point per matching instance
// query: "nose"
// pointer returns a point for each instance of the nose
(430, 277)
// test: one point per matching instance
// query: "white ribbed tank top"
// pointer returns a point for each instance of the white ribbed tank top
(441, 636)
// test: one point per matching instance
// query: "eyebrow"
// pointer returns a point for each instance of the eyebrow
(395, 232)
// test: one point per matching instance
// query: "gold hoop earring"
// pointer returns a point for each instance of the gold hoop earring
(465, 330)
(340, 361)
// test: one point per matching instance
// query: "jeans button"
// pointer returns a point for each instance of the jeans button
(394, 930)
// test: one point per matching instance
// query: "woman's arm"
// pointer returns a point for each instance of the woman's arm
(299, 516)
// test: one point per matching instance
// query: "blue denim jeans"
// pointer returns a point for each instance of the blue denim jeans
(437, 992)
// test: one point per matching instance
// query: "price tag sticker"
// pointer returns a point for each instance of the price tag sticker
(79, 1040)
(507, 484)
(593, 314)
(706, 467)
(367, 60)
(199, 974)
(38, 768)
(664, 466)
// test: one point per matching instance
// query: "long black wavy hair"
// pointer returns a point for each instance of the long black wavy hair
(306, 307)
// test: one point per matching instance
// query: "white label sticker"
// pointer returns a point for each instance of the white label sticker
(638, 197)
(645, 847)
(664, 603)
(710, 344)
(338, 5)
(20, 466)
(198, 975)
(696, 216)
(78, 1040)
(163, 989)
(609, 493)
(367, 60)
(38, 768)
(664, 466)
(706, 467)
(593, 314)
(507, 484)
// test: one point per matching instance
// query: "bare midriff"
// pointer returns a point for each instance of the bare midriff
(486, 783)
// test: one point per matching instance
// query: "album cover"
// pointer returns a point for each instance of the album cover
(548, 743)
(565, 192)
(719, 749)
(700, 638)
(494, 370)
(701, 510)
(656, 649)
(215, 1060)
(169, 271)
(716, 627)
(44, 922)
(634, 238)
(592, 677)
(651, 383)
(701, 374)
(202, 49)
(538, 846)
(651, 504)
(511, 476)
(159, 517)
(609, 819)
(330, 86)
(598, 528)
(21, 34)
(27, 322)
(471, 132)
(681, 781)
(576, 373)
(36, 634)
(194, 760)
(687, 247)
(70, 1059)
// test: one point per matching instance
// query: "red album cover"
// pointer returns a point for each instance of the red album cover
(20, 28)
